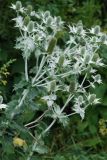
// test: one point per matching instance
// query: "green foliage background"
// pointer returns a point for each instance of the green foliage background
(81, 140)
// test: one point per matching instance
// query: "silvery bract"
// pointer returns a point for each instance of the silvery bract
(2, 106)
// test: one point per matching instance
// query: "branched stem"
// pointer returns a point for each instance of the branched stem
(38, 83)
(48, 128)
(39, 70)
(39, 118)
(36, 142)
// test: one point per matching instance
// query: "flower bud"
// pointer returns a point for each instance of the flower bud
(52, 85)
(88, 69)
(52, 45)
(30, 26)
(29, 9)
(18, 5)
(103, 38)
(97, 30)
(59, 34)
(95, 57)
(80, 99)
(36, 37)
(47, 14)
(49, 21)
(26, 20)
(94, 39)
(79, 29)
(79, 23)
(72, 86)
(61, 60)
(83, 49)
(92, 98)
(58, 20)
(87, 59)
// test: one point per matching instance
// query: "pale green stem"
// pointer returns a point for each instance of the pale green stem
(38, 83)
(64, 74)
(39, 70)
(39, 118)
(84, 80)
(23, 98)
(41, 76)
(20, 103)
(43, 84)
(37, 60)
(36, 142)
(68, 115)
(48, 128)
(68, 100)
(26, 69)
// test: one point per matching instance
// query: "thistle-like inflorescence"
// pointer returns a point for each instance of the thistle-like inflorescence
(18, 5)
(30, 26)
(67, 70)
(97, 30)
(103, 38)
(52, 45)
(26, 20)
(29, 9)
(61, 60)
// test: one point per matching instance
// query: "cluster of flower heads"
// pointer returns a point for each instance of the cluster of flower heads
(35, 33)
(59, 67)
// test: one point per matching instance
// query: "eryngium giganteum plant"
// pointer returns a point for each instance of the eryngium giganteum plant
(61, 76)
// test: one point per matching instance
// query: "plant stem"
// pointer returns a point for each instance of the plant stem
(36, 142)
(39, 70)
(65, 74)
(68, 100)
(38, 83)
(48, 128)
(43, 84)
(68, 115)
(41, 76)
(26, 69)
(83, 80)
(39, 118)
(23, 98)
(20, 103)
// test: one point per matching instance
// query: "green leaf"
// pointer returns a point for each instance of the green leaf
(7, 146)
(27, 115)
(41, 149)
(59, 157)
(92, 142)
(3, 55)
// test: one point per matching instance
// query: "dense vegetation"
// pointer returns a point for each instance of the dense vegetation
(78, 139)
